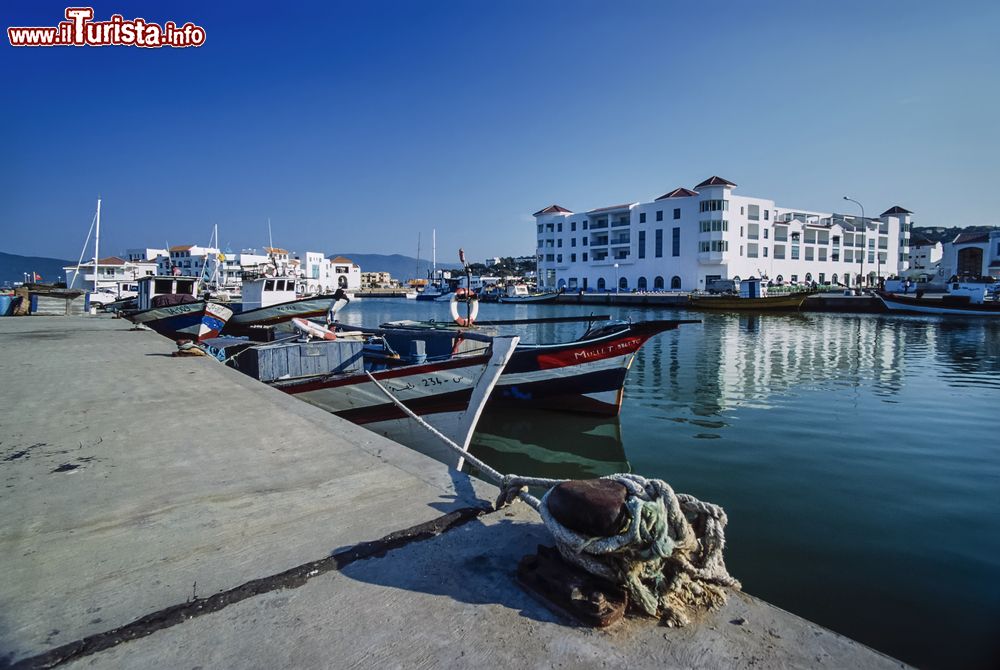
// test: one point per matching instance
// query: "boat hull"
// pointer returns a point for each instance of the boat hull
(194, 320)
(942, 306)
(285, 311)
(778, 303)
(541, 298)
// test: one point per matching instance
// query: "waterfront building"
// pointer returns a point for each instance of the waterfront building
(346, 274)
(972, 254)
(687, 238)
(925, 258)
(376, 279)
(114, 274)
(144, 254)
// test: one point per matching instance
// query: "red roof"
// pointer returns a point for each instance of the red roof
(971, 238)
(715, 181)
(111, 260)
(611, 208)
(895, 209)
(275, 250)
(184, 247)
(678, 193)
(552, 209)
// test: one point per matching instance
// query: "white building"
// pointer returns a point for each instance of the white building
(925, 257)
(144, 254)
(189, 260)
(114, 274)
(345, 274)
(689, 237)
(975, 254)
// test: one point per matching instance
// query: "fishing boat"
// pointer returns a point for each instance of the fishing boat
(753, 297)
(168, 305)
(272, 300)
(952, 305)
(518, 293)
(448, 394)
(586, 375)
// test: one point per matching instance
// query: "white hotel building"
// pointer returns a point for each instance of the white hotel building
(687, 238)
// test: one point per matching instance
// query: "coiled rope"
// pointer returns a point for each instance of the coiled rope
(668, 555)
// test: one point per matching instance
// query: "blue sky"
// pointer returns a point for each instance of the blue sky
(355, 125)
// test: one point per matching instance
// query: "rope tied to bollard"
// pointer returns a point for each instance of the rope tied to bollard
(668, 552)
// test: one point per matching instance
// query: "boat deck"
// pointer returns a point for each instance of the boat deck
(242, 528)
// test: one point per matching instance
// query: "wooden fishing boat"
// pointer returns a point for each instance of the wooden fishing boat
(951, 305)
(518, 293)
(447, 394)
(586, 375)
(167, 304)
(271, 300)
(791, 302)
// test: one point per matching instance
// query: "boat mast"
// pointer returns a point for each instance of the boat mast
(416, 271)
(97, 243)
(434, 255)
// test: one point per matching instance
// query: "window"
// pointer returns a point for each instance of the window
(675, 242)
(658, 284)
(572, 226)
(559, 243)
(642, 217)
(659, 215)
(795, 279)
(559, 258)
(642, 244)
(585, 225)
(583, 241)
(550, 258)
(572, 241)
(753, 212)
(765, 215)
(572, 258)
(675, 282)
(809, 253)
(559, 227)
(765, 249)
(677, 213)
(714, 205)
(716, 226)
(765, 230)
(658, 243)
(714, 246)
(641, 284)
(600, 284)
(584, 256)
(622, 283)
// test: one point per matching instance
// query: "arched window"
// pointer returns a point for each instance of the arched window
(601, 286)
(658, 284)
(623, 283)
(834, 277)
(736, 279)
(809, 277)
(779, 279)
(562, 283)
(675, 282)
(641, 284)
(342, 281)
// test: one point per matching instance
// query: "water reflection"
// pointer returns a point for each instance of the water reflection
(550, 444)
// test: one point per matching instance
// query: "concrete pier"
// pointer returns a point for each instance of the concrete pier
(165, 512)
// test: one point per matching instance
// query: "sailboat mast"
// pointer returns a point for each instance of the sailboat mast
(97, 243)
(434, 254)
(416, 272)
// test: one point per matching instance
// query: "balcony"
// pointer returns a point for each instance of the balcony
(598, 226)
(620, 240)
(712, 256)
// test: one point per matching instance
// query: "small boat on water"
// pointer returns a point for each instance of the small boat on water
(168, 305)
(586, 375)
(271, 300)
(448, 394)
(951, 305)
(518, 293)
(753, 297)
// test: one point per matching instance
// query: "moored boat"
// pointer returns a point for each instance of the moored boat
(791, 302)
(953, 305)
(586, 375)
(167, 304)
(271, 300)
(518, 293)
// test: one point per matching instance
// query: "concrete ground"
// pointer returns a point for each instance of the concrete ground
(140, 486)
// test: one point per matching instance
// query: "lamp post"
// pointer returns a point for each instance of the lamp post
(864, 241)
(617, 285)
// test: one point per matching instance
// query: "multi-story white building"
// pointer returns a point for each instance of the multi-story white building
(687, 238)
(345, 274)
(925, 257)
(975, 254)
(144, 254)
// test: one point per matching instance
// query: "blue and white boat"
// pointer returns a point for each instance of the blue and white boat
(168, 305)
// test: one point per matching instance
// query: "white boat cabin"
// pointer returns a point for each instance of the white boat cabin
(153, 286)
(517, 291)
(978, 289)
(267, 291)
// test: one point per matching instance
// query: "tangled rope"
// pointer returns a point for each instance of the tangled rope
(668, 555)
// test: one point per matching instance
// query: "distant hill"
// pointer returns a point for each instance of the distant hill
(13, 267)
(399, 266)
(943, 234)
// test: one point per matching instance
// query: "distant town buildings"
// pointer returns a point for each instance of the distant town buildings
(687, 238)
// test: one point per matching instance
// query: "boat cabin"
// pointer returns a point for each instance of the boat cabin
(517, 291)
(157, 285)
(977, 289)
(267, 291)
(753, 288)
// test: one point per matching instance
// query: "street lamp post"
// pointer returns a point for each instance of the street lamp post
(864, 240)
(617, 285)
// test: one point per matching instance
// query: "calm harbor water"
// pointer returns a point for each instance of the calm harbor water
(856, 456)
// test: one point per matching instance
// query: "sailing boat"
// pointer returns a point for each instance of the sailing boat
(434, 290)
